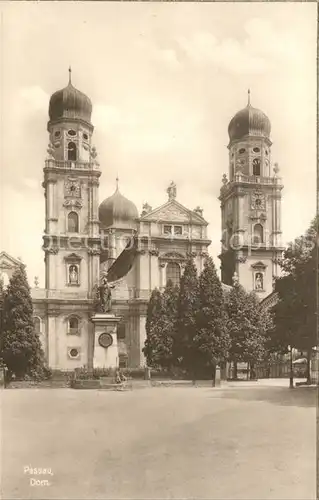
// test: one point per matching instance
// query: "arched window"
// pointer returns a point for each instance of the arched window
(71, 151)
(173, 273)
(256, 166)
(73, 326)
(73, 222)
(37, 325)
(258, 233)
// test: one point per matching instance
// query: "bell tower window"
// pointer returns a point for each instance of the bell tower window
(71, 151)
(256, 166)
(73, 222)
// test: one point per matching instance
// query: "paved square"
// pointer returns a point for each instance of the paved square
(242, 442)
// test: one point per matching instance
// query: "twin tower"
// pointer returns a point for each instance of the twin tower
(251, 205)
(250, 201)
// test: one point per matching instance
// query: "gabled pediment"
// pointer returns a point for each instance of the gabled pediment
(172, 211)
(9, 262)
(259, 265)
(73, 257)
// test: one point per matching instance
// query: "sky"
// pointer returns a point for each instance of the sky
(165, 79)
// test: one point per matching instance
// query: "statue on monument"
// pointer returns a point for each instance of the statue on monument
(110, 278)
(105, 294)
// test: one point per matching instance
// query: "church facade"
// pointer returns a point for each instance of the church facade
(83, 237)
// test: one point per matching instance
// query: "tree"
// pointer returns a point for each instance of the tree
(21, 346)
(154, 312)
(212, 340)
(247, 324)
(2, 294)
(160, 327)
(186, 325)
(295, 314)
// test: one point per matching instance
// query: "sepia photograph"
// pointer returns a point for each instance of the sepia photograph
(158, 250)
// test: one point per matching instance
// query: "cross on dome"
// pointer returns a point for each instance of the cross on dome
(70, 74)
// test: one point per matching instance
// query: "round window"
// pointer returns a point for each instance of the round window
(256, 150)
(85, 137)
(72, 132)
(74, 353)
(241, 151)
(57, 133)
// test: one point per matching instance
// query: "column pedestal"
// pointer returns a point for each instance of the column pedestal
(105, 353)
(217, 376)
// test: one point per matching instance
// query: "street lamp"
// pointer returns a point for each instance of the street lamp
(291, 376)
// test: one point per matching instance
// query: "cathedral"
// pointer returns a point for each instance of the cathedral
(84, 236)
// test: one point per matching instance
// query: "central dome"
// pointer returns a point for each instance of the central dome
(249, 121)
(70, 103)
(118, 211)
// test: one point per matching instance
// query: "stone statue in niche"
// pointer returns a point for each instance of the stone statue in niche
(259, 281)
(73, 275)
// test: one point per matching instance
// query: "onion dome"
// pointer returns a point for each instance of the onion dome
(118, 211)
(249, 121)
(70, 103)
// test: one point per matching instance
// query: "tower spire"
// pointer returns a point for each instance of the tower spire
(248, 104)
(117, 182)
(70, 73)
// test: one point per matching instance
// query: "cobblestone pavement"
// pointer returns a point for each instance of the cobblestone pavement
(254, 441)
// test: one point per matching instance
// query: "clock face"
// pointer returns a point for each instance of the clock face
(258, 201)
(72, 188)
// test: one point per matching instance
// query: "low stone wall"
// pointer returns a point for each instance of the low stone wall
(44, 384)
(85, 384)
